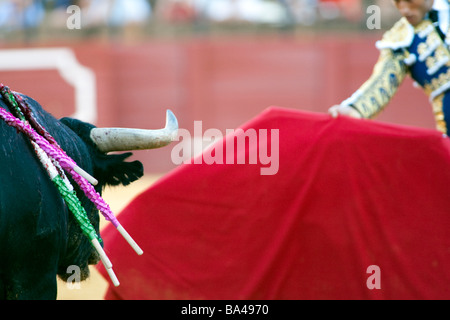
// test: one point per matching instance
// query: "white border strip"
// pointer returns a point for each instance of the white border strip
(65, 61)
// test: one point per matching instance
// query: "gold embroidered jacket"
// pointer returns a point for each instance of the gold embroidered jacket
(422, 52)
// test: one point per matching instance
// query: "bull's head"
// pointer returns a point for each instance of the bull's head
(58, 241)
(111, 169)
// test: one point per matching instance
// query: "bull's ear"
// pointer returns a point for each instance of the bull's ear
(114, 170)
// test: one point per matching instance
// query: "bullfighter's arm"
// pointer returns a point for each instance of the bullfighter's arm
(377, 91)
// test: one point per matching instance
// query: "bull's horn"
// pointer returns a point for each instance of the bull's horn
(124, 139)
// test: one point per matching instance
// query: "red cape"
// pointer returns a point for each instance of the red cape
(349, 195)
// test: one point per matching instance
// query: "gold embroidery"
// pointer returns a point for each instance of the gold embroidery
(422, 48)
(441, 52)
(376, 92)
(430, 62)
(433, 38)
(437, 105)
(437, 83)
(399, 36)
(422, 26)
(390, 70)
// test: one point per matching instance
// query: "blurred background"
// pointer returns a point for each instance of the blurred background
(47, 19)
(218, 61)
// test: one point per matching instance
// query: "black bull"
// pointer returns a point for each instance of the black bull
(39, 237)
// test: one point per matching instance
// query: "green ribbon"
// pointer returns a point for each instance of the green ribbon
(74, 205)
(7, 94)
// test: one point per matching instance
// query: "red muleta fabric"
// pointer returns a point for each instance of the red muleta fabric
(349, 194)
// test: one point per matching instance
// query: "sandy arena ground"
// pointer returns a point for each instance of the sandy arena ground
(117, 198)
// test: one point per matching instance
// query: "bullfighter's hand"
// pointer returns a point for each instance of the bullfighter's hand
(343, 110)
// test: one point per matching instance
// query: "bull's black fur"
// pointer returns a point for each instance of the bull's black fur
(39, 238)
